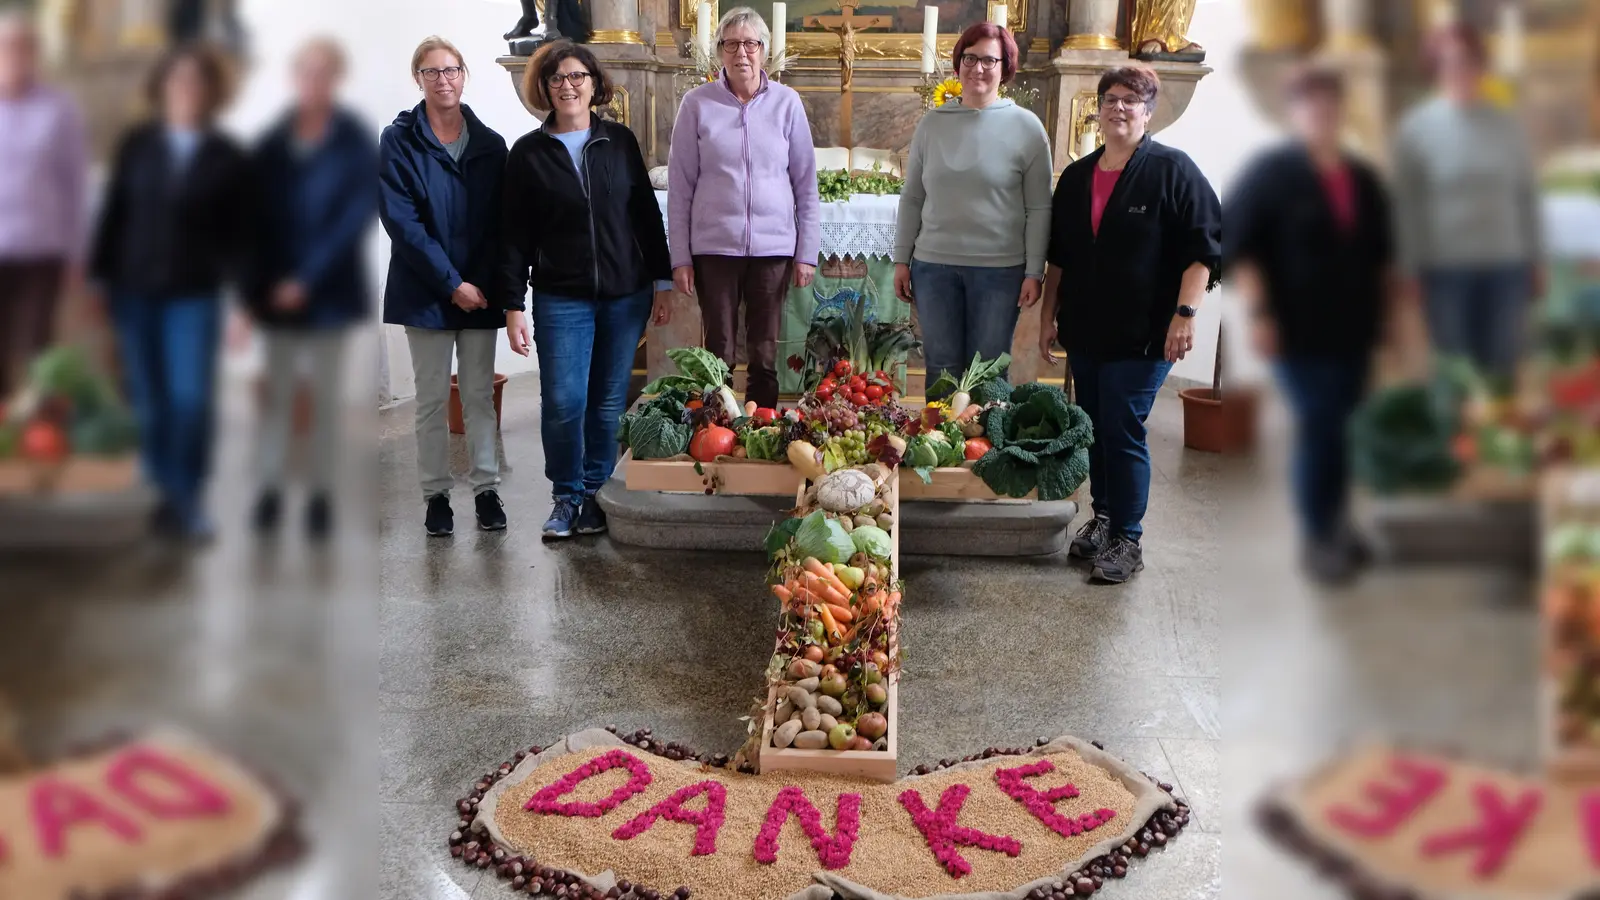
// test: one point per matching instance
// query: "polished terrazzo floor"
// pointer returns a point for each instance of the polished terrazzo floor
(488, 642)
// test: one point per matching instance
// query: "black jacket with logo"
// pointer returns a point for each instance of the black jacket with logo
(593, 235)
(1119, 291)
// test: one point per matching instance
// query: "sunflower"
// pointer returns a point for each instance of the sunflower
(945, 91)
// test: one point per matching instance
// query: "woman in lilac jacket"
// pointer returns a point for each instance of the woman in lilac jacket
(742, 204)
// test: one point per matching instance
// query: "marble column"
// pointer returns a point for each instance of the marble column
(1092, 25)
(614, 22)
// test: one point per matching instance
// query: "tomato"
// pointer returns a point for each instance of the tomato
(859, 399)
(977, 447)
(842, 370)
(44, 442)
(825, 393)
(874, 393)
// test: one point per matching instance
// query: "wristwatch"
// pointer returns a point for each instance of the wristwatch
(1188, 312)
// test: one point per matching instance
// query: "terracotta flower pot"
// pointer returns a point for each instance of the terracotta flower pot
(458, 424)
(1219, 426)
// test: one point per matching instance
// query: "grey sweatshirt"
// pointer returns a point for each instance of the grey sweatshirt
(977, 189)
(1465, 189)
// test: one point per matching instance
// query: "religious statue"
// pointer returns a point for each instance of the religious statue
(1159, 29)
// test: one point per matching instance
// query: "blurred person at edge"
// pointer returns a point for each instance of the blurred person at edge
(1309, 250)
(173, 231)
(580, 215)
(43, 191)
(1467, 204)
(975, 211)
(316, 201)
(441, 171)
(743, 209)
(1135, 244)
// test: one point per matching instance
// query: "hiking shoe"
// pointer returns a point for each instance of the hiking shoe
(1092, 539)
(491, 511)
(269, 509)
(319, 517)
(441, 520)
(563, 519)
(1119, 561)
(591, 518)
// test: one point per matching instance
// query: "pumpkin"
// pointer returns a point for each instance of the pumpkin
(711, 442)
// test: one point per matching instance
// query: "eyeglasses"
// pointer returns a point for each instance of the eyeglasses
(1117, 101)
(576, 78)
(450, 72)
(750, 47)
(986, 63)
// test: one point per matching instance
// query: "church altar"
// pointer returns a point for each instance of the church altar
(857, 247)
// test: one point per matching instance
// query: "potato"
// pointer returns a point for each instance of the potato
(811, 740)
(808, 684)
(830, 705)
(827, 723)
(811, 718)
(799, 697)
(785, 734)
(804, 668)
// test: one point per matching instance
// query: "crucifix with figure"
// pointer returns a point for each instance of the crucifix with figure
(845, 26)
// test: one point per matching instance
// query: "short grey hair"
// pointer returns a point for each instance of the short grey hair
(744, 15)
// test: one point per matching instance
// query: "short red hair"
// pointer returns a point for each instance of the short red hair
(982, 32)
(1464, 34)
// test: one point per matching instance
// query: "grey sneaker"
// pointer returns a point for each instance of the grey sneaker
(1118, 562)
(1092, 539)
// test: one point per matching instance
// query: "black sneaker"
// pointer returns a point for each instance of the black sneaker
(269, 509)
(491, 511)
(1092, 539)
(563, 519)
(1118, 562)
(319, 517)
(591, 518)
(441, 520)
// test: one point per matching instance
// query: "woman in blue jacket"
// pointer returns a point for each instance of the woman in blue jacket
(316, 204)
(440, 170)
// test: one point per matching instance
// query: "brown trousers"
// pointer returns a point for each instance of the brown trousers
(761, 283)
(30, 293)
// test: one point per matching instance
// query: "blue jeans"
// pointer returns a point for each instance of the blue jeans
(1479, 313)
(168, 349)
(1118, 395)
(1323, 394)
(964, 310)
(586, 350)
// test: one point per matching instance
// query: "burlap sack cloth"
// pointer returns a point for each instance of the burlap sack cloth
(1148, 799)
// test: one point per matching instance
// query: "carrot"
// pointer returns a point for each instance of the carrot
(841, 614)
(826, 574)
(829, 625)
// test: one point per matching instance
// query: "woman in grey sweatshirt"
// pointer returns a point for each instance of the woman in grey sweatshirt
(975, 211)
(1467, 208)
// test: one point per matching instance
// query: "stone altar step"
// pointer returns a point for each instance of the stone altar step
(928, 527)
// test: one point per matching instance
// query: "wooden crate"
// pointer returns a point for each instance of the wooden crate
(673, 476)
(76, 476)
(878, 765)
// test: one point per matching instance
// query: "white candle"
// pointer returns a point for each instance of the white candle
(702, 28)
(780, 29)
(930, 38)
(998, 15)
(1511, 40)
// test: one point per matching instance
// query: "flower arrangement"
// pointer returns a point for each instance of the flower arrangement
(1042, 803)
(548, 798)
(944, 835)
(834, 852)
(707, 821)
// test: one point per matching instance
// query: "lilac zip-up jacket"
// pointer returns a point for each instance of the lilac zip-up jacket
(742, 177)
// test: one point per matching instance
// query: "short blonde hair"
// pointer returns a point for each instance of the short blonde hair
(431, 44)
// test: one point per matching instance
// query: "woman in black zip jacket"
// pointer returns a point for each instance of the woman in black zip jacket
(1135, 244)
(581, 217)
